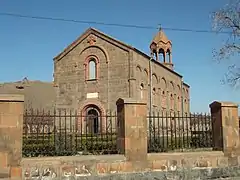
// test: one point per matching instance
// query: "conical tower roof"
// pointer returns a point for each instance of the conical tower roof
(161, 37)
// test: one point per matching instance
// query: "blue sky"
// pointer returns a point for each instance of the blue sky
(29, 45)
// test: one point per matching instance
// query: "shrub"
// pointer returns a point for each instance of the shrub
(68, 145)
(165, 144)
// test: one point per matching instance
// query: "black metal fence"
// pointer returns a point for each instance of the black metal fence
(176, 132)
(61, 132)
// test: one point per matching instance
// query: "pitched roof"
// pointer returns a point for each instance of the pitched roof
(107, 37)
(84, 35)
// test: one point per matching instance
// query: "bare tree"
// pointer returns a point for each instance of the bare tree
(227, 20)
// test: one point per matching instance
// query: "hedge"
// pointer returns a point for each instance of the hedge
(165, 144)
(58, 145)
(69, 146)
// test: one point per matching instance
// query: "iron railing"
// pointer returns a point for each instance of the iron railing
(62, 132)
(175, 132)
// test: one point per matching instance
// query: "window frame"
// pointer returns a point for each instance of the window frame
(87, 67)
(94, 69)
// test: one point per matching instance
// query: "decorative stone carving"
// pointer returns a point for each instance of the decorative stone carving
(40, 174)
(83, 171)
(91, 40)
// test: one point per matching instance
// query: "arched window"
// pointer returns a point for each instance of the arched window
(185, 106)
(179, 104)
(92, 69)
(171, 102)
(169, 56)
(161, 55)
(163, 103)
(141, 91)
(154, 96)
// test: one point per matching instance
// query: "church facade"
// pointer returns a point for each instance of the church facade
(96, 69)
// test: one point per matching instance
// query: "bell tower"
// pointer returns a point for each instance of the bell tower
(161, 49)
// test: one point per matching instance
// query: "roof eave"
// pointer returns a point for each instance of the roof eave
(185, 84)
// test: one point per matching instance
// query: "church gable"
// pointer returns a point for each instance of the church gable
(90, 38)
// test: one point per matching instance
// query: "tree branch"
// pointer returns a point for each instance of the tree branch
(234, 25)
(228, 18)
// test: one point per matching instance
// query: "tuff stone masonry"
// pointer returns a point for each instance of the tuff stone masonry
(96, 69)
(11, 127)
(134, 162)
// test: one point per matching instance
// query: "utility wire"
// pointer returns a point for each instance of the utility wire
(109, 24)
(76, 21)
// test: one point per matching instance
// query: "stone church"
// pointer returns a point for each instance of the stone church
(96, 69)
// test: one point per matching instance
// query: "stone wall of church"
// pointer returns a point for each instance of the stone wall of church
(169, 93)
(75, 90)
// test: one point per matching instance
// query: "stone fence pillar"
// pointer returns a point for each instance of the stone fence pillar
(132, 129)
(11, 127)
(225, 127)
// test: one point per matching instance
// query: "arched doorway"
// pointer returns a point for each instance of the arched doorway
(92, 120)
